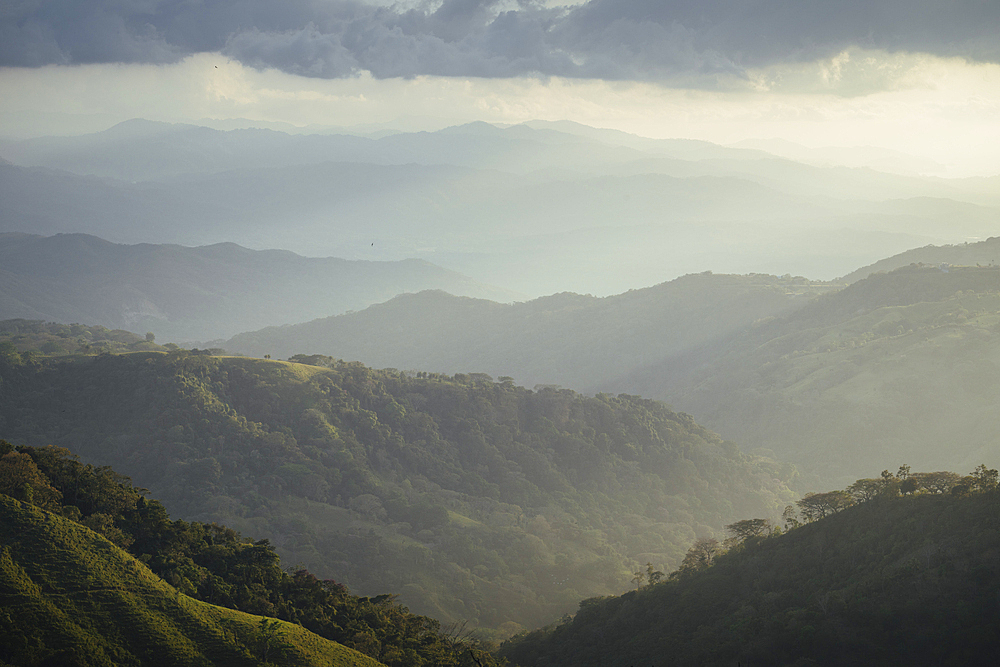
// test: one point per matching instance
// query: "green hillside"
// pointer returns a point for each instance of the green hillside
(40, 339)
(70, 597)
(474, 499)
(890, 581)
(899, 366)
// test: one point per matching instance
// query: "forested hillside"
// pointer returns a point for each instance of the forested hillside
(887, 581)
(153, 591)
(474, 499)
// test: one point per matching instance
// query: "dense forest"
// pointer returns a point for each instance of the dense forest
(96, 606)
(896, 570)
(473, 499)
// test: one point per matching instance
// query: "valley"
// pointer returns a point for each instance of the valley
(532, 394)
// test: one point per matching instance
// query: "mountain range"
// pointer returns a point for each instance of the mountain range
(834, 377)
(463, 424)
(198, 294)
(535, 208)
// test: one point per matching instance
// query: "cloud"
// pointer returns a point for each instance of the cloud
(672, 41)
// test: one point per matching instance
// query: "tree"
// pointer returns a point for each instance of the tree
(268, 642)
(9, 354)
(653, 576)
(20, 478)
(937, 482)
(867, 489)
(790, 518)
(983, 478)
(150, 337)
(890, 484)
(818, 505)
(701, 555)
(748, 528)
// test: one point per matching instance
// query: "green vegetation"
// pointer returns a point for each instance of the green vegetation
(883, 579)
(475, 500)
(34, 338)
(70, 597)
(205, 562)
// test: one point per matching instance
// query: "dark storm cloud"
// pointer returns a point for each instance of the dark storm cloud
(611, 39)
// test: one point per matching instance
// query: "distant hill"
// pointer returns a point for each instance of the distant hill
(985, 253)
(182, 294)
(889, 582)
(141, 150)
(473, 499)
(69, 596)
(580, 342)
(900, 366)
(897, 367)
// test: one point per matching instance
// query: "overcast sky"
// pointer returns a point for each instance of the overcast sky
(915, 75)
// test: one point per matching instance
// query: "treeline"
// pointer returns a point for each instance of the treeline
(217, 565)
(474, 499)
(886, 572)
(815, 506)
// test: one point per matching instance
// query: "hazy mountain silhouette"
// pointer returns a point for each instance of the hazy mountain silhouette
(183, 293)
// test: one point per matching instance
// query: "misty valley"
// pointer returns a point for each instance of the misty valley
(536, 395)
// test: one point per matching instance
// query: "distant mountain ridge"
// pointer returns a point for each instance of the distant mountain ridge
(202, 293)
(984, 253)
(581, 342)
(536, 208)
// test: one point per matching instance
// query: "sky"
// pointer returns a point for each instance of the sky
(917, 76)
